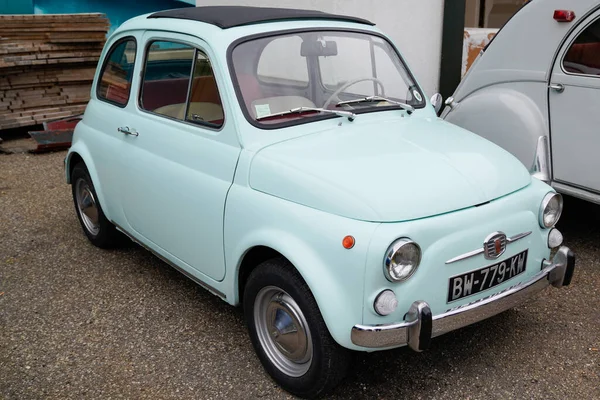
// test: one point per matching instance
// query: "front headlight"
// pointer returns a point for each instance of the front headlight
(550, 210)
(401, 260)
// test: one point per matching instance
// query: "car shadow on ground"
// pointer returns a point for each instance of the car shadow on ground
(580, 221)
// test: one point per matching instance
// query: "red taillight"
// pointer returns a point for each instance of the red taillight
(564, 15)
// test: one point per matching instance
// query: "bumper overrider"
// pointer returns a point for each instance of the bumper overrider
(420, 326)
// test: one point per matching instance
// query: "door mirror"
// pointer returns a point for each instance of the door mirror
(436, 101)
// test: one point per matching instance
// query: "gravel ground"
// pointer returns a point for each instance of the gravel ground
(80, 322)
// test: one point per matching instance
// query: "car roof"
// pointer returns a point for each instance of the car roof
(232, 16)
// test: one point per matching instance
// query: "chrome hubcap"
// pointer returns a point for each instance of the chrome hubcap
(283, 331)
(86, 206)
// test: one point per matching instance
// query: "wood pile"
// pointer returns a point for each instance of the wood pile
(47, 64)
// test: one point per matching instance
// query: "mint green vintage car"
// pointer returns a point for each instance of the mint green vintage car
(288, 161)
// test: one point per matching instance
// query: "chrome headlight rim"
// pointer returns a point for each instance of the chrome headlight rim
(545, 202)
(392, 250)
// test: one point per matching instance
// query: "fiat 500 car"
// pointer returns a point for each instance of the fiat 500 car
(536, 92)
(288, 162)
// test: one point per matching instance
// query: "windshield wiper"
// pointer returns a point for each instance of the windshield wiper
(378, 99)
(350, 115)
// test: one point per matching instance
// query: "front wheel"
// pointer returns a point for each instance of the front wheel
(288, 331)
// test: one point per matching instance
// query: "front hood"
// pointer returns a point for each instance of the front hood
(388, 171)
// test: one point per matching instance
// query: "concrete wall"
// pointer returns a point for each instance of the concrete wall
(414, 25)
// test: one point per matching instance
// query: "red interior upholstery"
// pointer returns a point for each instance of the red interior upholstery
(204, 90)
(587, 54)
(161, 93)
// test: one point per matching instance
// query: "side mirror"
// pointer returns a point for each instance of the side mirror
(437, 101)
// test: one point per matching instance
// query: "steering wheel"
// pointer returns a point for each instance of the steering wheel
(334, 96)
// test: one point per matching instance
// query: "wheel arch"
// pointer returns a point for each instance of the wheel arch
(339, 299)
(80, 154)
(72, 159)
(250, 260)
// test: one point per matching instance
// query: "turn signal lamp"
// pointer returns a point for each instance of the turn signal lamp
(564, 15)
(348, 242)
(385, 303)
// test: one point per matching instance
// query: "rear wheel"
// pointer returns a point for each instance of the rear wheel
(288, 331)
(99, 230)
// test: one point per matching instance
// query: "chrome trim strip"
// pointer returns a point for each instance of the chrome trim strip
(517, 237)
(465, 256)
(393, 335)
(172, 265)
(581, 193)
(474, 253)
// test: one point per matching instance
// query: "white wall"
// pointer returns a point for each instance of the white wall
(414, 25)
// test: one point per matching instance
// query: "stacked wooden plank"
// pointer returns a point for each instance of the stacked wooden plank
(47, 64)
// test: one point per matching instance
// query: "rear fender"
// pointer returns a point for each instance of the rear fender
(82, 151)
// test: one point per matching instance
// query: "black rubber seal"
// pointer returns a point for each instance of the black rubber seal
(570, 268)
(426, 329)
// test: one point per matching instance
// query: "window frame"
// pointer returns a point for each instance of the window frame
(104, 64)
(240, 98)
(594, 18)
(185, 121)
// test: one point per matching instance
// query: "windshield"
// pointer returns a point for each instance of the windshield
(320, 70)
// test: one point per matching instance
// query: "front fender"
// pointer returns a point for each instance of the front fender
(514, 117)
(312, 241)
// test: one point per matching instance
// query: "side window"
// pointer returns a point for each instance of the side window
(114, 84)
(583, 57)
(179, 83)
(205, 102)
(276, 65)
(166, 78)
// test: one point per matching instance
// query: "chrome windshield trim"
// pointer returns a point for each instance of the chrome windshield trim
(474, 253)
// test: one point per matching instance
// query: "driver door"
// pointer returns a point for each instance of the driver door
(179, 155)
(574, 97)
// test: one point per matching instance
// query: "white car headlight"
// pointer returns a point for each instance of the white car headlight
(550, 210)
(401, 260)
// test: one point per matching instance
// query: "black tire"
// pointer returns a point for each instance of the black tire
(330, 361)
(106, 235)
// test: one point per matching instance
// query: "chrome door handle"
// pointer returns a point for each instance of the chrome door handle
(557, 87)
(128, 131)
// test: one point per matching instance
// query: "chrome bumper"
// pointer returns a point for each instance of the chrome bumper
(420, 326)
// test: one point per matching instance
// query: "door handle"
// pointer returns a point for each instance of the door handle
(128, 131)
(557, 87)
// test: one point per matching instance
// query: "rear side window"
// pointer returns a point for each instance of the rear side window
(583, 57)
(115, 78)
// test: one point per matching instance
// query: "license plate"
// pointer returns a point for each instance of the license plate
(470, 283)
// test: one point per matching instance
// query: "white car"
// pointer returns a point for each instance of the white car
(535, 90)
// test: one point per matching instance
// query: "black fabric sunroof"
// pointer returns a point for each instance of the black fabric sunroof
(230, 16)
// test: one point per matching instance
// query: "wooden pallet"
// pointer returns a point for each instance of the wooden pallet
(47, 64)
